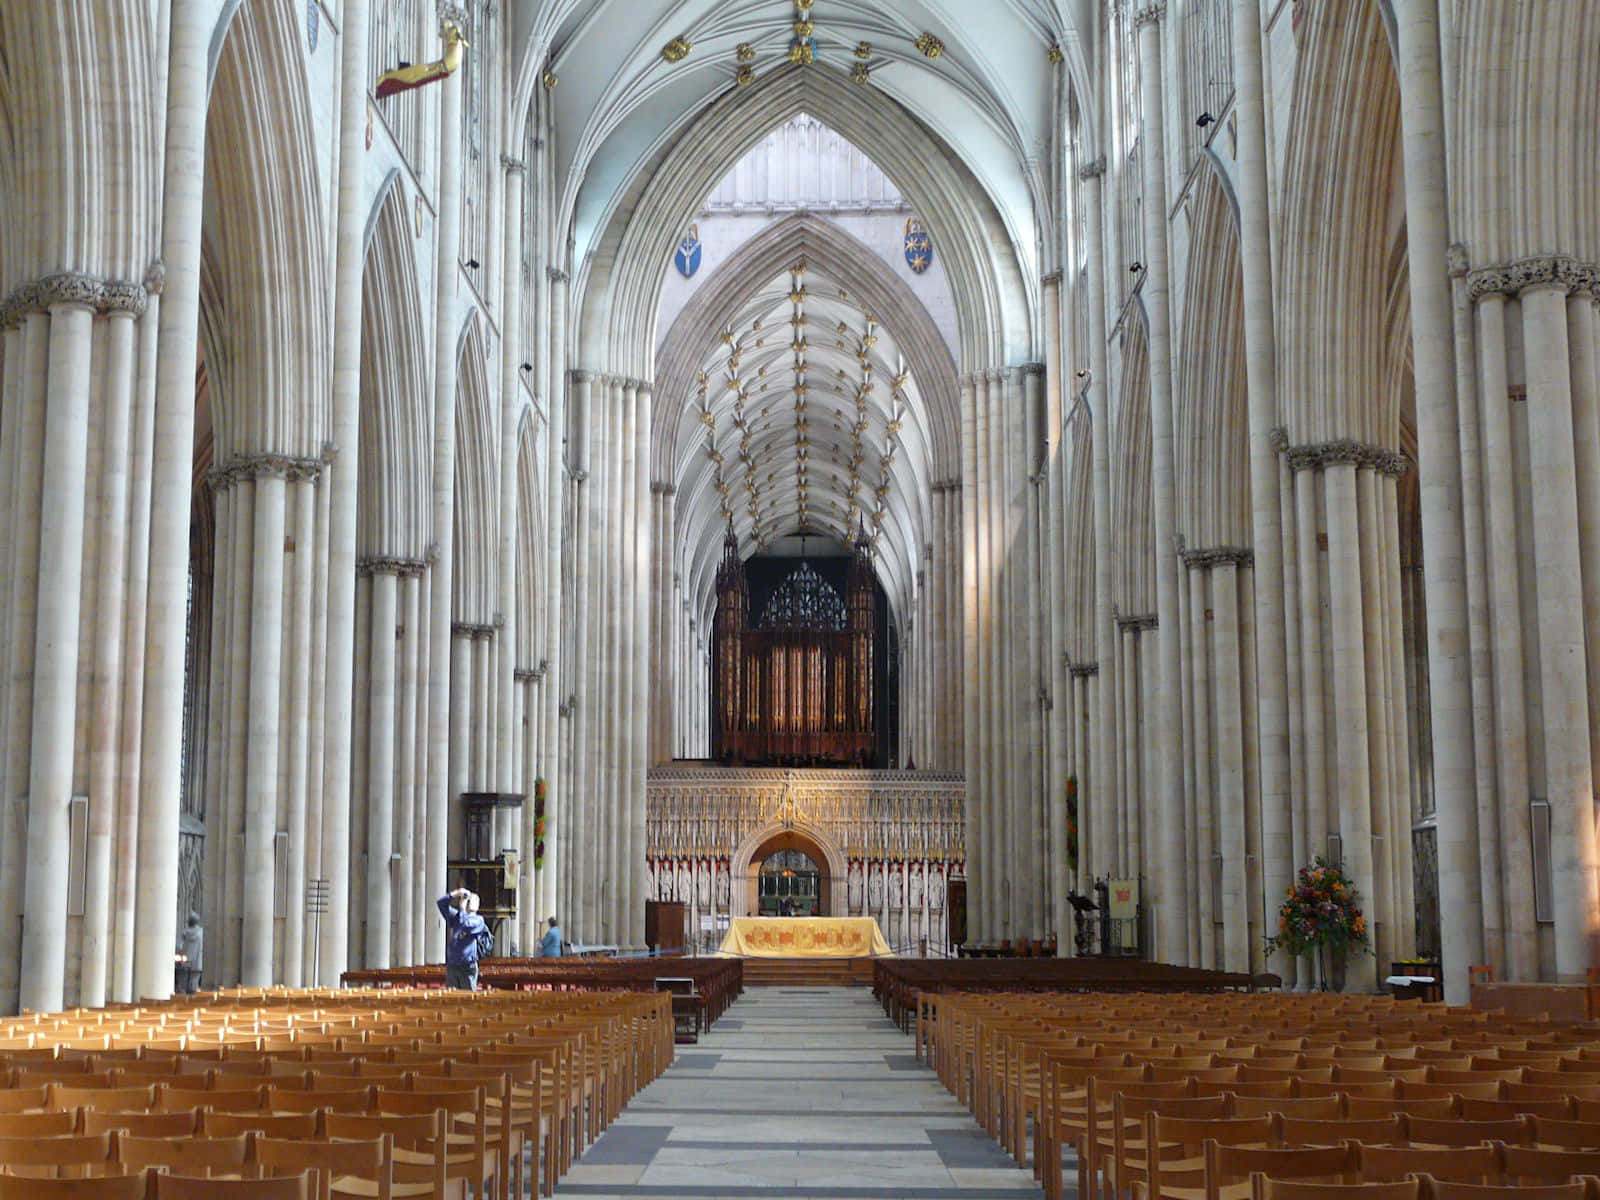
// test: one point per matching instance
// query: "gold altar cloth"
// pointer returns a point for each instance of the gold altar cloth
(804, 937)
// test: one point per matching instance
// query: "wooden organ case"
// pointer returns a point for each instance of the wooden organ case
(796, 687)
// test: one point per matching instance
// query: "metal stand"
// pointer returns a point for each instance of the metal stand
(316, 906)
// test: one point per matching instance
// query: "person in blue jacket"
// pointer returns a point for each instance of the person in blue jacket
(550, 944)
(462, 927)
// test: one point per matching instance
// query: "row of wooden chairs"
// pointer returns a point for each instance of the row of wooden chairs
(548, 1072)
(1017, 1059)
(151, 1184)
(1419, 1187)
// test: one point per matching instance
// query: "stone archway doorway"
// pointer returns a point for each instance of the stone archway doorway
(747, 864)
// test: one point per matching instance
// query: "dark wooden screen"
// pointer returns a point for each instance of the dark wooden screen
(795, 686)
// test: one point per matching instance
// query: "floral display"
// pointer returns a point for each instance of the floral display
(1320, 912)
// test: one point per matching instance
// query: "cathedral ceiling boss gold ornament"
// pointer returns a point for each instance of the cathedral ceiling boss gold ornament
(930, 46)
(676, 50)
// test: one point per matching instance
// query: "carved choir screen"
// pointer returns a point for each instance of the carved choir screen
(896, 841)
(799, 686)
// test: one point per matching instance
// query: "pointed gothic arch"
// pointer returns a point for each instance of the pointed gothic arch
(477, 479)
(993, 295)
(394, 504)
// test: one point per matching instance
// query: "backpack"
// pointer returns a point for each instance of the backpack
(485, 941)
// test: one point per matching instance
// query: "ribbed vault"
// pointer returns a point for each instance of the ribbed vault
(619, 308)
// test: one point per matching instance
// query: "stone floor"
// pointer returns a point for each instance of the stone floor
(798, 1093)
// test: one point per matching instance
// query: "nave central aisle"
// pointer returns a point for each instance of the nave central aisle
(798, 1093)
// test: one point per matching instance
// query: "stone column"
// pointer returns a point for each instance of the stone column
(1203, 833)
(972, 740)
(1382, 914)
(1586, 441)
(508, 730)
(1569, 771)
(1237, 926)
(55, 656)
(1347, 633)
(1255, 253)
(161, 762)
(1097, 820)
(23, 413)
(110, 618)
(1171, 884)
(636, 796)
(583, 696)
(296, 705)
(380, 793)
(1319, 818)
(1449, 681)
(444, 811)
(349, 259)
(408, 898)
(261, 762)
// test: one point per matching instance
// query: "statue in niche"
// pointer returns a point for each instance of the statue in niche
(703, 883)
(875, 886)
(916, 889)
(658, 880)
(935, 887)
(723, 889)
(854, 897)
(685, 882)
(897, 887)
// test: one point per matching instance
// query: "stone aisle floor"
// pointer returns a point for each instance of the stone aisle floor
(798, 1093)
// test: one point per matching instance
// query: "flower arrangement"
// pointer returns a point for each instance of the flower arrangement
(539, 793)
(1321, 911)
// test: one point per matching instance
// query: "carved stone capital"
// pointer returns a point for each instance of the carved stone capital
(1093, 169)
(658, 488)
(1051, 280)
(1139, 621)
(557, 275)
(74, 288)
(1149, 14)
(1317, 455)
(1217, 556)
(513, 166)
(404, 568)
(1530, 273)
(264, 466)
(1032, 368)
(473, 631)
(1083, 670)
(524, 675)
(579, 375)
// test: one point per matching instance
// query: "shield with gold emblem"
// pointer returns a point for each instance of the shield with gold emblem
(919, 246)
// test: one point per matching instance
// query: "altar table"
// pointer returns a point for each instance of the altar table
(804, 937)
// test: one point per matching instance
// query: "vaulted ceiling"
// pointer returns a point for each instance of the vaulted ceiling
(630, 74)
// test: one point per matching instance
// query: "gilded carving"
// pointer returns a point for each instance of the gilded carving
(930, 46)
(745, 53)
(676, 50)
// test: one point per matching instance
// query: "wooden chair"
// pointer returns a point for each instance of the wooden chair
(1228, 1169)
(1380, 1131)
(101, 1187)
(470, 1153)
(1177, 1147)
(1438, 1107)
(1264, 1188)
(1567, 1134)
(182, 1123)
(22, 1099)
(192, 1155)
(140, 1098)
(44, 1123)
(1449, 1132)
(1494, 1110)
(63, 1157)
(1128, 1157)
(364, 1167)
(1324, 1108)
(1546, 1164)
(421, 1156)
(1445, 1189)
(185, 1099)
(303, 1126)
(283, 1187)
(1467, 1164)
